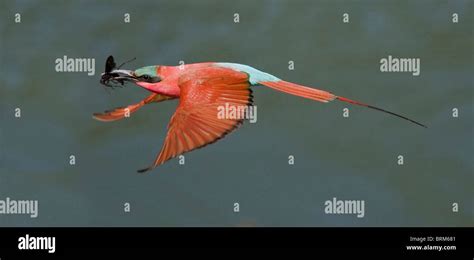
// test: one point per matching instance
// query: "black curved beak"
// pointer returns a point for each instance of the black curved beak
(120, 74)
(117, 76)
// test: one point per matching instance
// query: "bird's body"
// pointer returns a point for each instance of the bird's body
(202, 88)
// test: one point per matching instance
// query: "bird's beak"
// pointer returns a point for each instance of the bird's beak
(121, 75)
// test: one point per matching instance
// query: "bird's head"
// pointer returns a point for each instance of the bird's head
(147, 74)
(142, 76)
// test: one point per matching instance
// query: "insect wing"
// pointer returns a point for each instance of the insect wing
(109, 64)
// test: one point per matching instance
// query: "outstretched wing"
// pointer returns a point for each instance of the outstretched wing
(121, 112)
(197, 121)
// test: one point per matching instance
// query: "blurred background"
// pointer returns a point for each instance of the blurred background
(351, 158)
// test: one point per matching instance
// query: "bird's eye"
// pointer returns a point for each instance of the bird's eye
(146, 77)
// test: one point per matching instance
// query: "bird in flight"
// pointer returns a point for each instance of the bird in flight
(201, 89)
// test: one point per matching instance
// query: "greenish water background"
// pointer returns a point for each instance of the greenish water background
(347, 158)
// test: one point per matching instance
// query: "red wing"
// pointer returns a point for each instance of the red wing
(196, 122)
(120, 112)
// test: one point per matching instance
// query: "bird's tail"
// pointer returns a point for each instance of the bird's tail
(322, 96)
(300, 91)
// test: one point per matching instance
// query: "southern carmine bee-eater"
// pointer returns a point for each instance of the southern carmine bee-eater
(202, 88)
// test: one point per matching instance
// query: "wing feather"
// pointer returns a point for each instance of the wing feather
(195, 122)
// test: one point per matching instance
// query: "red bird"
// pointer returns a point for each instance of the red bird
(202, 88)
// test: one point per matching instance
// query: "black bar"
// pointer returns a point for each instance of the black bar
(70, 241)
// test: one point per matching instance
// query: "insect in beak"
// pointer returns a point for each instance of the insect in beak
(114, 76)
